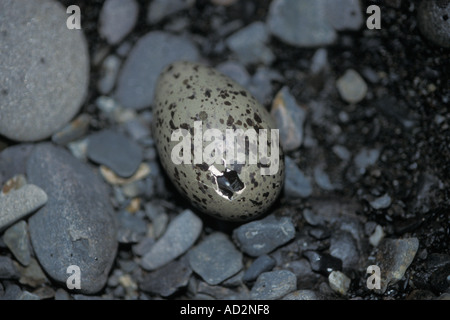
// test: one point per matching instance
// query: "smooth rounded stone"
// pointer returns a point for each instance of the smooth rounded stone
(44, 69)
(117, 19)
(301, 23)
(78, 219)
(351, 86)
(382, 202)
(149, 56)
(339, 282)
(263, 236)
(273, 285)
(249, 44)
(296, 184)
(303, 295)
(160, 9)
(215, 259)
(289, 118)
(323, 262)
(13, 161)
(116, 151)
(17, 239)
(19, 203)
(181, 234)
(344, 14)
(7, 269)
(344, 247)
(262, 264)
(394, 257)
(168, 279)
(433, 17)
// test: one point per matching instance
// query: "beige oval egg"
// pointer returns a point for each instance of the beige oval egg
(218, 145)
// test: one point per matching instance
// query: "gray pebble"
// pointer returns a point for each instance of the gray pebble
(296, 185)
(273, 285)
(152, 52)
(77, 220)
(160, 9)
(303, 295)
(263, 236)
(351, 86)
(339, 282)
(434, 21)
(262, 264)
(168, 279)
(382, 202)
(301, 23)
(322, 179)
(19, 203)
(180, 235)
(260, 85)
(306, 277)
(344, 247)
(116, 151)
(108, 74)
(344, 14)
(394, 257)
(32, 275)
(117, 19)
(7, 269)
(289, 118)
(249, 44)
(131, 228)
(44, 69)
(17, 239)
(215, 259)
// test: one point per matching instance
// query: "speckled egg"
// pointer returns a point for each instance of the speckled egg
(218, 145)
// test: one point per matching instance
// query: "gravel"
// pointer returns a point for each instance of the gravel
(367, 181)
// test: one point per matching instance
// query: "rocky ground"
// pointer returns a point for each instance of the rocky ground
(364, 124)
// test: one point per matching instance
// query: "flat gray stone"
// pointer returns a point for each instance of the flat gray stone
(180, 235)
(301, 23)
(7, 269)
(116, 151)
(152, 52)
(382, 202)
(19, 203)
(262, 264)
(263, 236)
(160, 9)
(273, 285)
(117, 19)
(168, 279)
(44, 69)
(296, 185)
(17, 239)
(249, 44)
(78, 219)
(344, 14)
(215, 259)
(289, 118)
(303, 295)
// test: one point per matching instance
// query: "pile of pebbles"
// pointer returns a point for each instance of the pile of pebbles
(367, 170)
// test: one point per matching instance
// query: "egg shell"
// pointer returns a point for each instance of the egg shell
(187, 92)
